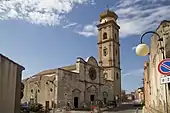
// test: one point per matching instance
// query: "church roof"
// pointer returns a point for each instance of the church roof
(69, 68)
(49, 71)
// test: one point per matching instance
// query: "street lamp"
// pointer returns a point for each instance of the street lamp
(143, 50)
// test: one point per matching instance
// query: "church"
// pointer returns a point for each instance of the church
(87, 80)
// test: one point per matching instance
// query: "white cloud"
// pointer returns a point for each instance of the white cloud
(134, 48)
(137, 72)
(138, 16)
(123, 3)
(70, 25)
(45, 12)
(88, 30)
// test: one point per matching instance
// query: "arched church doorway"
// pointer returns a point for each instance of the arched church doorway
(92, 93)
(76, 96)
(105, 100)
(76, 102)
(92, 98)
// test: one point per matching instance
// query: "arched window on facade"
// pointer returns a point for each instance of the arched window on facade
(104, 35)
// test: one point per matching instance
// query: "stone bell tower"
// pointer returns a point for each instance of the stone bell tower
(109, 49)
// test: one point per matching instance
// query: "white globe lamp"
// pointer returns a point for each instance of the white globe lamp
(139, 90)
(142, 50)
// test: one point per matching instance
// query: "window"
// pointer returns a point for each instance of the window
(104, 35)
(117, 76)
(51, 89)
(105, 52)
(115, 36)
(92, 73)
(105, 75)
(38, 90)
(168, 86)
(31, 90)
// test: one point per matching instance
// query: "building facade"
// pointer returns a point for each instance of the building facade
(85, 81)
(10, 85)
(157, 90)
(147, 86)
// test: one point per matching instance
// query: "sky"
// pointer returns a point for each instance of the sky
(45, 34)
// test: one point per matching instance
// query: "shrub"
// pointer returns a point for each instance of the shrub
(36, 107)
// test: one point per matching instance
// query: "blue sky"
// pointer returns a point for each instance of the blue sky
(44, 34)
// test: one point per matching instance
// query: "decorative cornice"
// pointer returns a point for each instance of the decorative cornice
(109, 40)
(108, 23)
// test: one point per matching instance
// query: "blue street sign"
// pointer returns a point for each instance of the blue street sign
(164, 67)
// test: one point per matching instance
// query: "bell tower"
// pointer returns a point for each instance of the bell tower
(109, 49)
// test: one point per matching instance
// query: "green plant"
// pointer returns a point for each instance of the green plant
(36, 107)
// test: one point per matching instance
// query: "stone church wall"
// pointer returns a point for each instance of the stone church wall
(39, 88)
(69, 87)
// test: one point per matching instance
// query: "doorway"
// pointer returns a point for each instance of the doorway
(105, 100)
(47, 105)
(91, 97)
(76, 102)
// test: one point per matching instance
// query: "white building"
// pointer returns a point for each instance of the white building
(157, 95)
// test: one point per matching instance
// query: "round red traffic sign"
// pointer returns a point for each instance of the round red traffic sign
(164, 67)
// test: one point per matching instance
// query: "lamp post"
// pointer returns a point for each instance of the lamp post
(143, 50)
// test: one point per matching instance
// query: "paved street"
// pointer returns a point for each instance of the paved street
(124, 111)
(125, 108)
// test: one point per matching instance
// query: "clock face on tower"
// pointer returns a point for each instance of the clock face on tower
(92, 73)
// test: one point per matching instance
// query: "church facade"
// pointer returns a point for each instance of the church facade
(86, 80)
